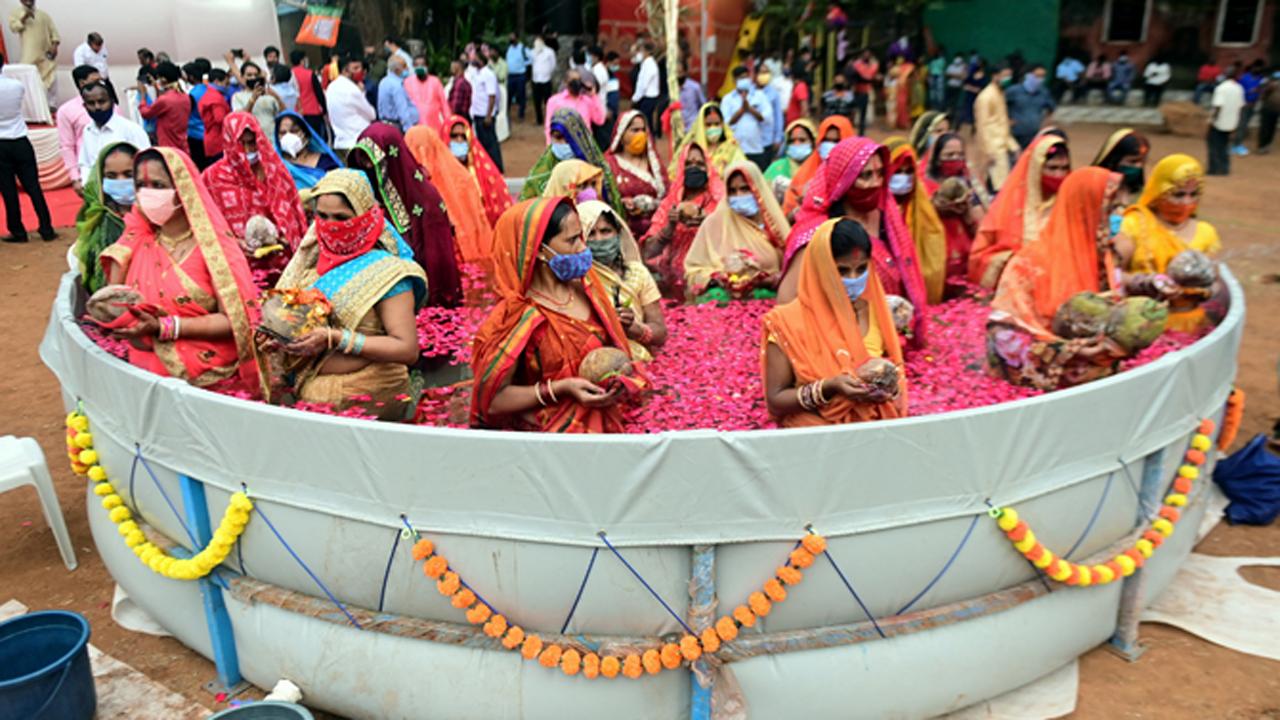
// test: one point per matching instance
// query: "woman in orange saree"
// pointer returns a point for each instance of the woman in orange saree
(1020, 209)
(904, 72)
(464, 146)
(814, 345)
(907, 185)
(1072, 255)
(830, 132)
(471, 229)
(177, 251)
(552, 311)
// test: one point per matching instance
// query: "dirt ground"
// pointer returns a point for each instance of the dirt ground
(1180, 676)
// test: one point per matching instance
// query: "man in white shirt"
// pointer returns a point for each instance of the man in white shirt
(1228, 101)
(1154, 77)
(544, 66)
(18, 162)
(484, 109)
(645, 97)
(749, 114)
(349, 111)
(92, 52)
(107, 128)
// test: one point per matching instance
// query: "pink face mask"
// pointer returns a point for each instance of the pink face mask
(157, 204)
(588, 194)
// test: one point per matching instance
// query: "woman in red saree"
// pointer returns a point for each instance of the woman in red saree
(493, 187)
(552, 311)
(634, 161)
(962, 206)
(852, 184)
(251, 179)
(194, 323)
(694, 194)
(814, 345)
(830, 132)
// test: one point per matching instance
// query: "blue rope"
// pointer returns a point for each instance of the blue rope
(194, 542)
(1097, 510)
(574, 608)
(854, 593)
(405, 521)
(945, 567)
(386, 574)
(652, 592)
(257, 508)
(1128, 476)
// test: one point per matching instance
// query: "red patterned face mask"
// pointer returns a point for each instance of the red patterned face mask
(951, 168)
(342, 240)
(863, 199)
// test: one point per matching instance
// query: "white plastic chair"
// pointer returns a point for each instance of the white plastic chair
(22, 463)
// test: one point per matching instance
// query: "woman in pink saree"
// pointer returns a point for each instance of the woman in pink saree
(177, 251)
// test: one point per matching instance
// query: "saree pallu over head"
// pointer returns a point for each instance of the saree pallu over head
(1065, 260)
(569, 177)
(570, 125)
(472, 231)
(415, 209)
(923, 222)
(493, 187)
(726, 153)
(812, 167)
(213, 278)
(652, 166)
(819, 333)
(304, 176)
(518, 328)
(98, 225)
(1122, 142)
(923, 130)
(1155, 244)
(725, 233)
(240, 194)
(1015, 216)
(893, 252)
(783, 165)
(676, 192)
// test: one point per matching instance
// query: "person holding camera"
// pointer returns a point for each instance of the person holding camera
(257, 97)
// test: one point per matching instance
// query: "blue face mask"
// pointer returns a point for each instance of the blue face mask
(119, 189)
(1031, 83)
(800, 151)
(744, 205)
(562, 150)
(744, 84)
(854, 287)
(460, 149)
(825, 147)
(570, 267)
(1116, 219)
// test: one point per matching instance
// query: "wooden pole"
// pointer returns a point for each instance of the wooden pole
(671, 22)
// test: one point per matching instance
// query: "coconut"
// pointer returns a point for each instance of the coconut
(688, 211)
(1152, 285)
(259, 232)
(289, 314)
(604, 363)
(1084, 315)
(1192, 268)
(880, 374)
(1136, 322)
(902, 310)
(953, 190)
(110, 302)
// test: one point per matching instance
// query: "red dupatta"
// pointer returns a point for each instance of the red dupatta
(239, 194)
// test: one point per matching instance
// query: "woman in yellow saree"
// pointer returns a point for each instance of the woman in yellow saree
(616, 259)
(738, 249)
(907, 185)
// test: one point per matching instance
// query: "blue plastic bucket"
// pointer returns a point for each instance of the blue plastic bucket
(269, 710)
(44, 667)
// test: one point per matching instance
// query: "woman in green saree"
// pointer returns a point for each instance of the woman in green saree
(571, 139)
(108, 197)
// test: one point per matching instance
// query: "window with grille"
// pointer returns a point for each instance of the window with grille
(1238, 21)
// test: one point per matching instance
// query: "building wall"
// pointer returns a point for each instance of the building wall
(1163, 35)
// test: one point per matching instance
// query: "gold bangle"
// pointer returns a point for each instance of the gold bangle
(552, 392)
(537, 394)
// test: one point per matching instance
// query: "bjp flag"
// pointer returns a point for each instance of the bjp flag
(320, 26)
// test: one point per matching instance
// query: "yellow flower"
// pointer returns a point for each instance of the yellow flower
(1026, 543)
(88, 457)
(1008, 519)
(120, 514)
(97, 474)
(84, 440)
(112, 501)
(102, 488)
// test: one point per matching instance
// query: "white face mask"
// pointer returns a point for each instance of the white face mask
(901, 183)
(292, 144)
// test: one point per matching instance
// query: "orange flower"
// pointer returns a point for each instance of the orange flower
(1170, 513)
(1195, 457)
(435, 567)
(570, 662)
(550, 657)
(745, 617)
(760, 604)
(670, 656)
(496, 626)
(1018, 532)
(790, 575)
(801, 558)
(591, 666)
(610, 666)
(449, 584)
(423, 549)
(531, 647)
(711, 638)
(727, 629)
(514, 637)
(464, 598)
(815, 544)
(478, 614)
(1206, 426)
(631, 666)
(1154, 537)
(774, 590)
(689, 647)
(652, 661)
(1182, 485)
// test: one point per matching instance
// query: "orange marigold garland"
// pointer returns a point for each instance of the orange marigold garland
(571, 661)
(1128, 560)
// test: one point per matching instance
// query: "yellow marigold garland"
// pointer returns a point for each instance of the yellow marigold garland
(84, 461)
(590, 665)
(1129, 560)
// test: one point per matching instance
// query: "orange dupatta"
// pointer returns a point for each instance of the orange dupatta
(809, 168)
(819, 333)
(1064, 261)
(1014, 217)
(927, 230)
(493, 187)
(461, 194)
(521, 336)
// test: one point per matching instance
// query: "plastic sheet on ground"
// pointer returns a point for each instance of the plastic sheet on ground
(1210, 598)
(130, 616)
